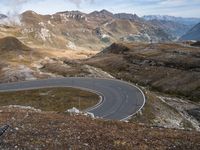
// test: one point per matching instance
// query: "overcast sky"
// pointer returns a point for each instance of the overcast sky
(184, 8)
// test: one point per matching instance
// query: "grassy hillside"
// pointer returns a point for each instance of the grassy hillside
(51, 99)
(168, 68)
(12, 44)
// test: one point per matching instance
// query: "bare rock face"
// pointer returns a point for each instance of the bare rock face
(77, 15)
(195, 113)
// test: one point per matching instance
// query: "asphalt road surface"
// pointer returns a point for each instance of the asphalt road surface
(119, 100)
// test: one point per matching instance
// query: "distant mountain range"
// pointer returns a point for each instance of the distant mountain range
(127, 16)
(104, 13)
(96, 30)
(181, 20)
(193, 34)
(173, 28)
(2, 16)
(77, 30)
(176, 26)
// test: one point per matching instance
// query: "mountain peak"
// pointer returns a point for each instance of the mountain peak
(28, 12)
(127, 16)
(103, 13)
(193, 34)
(77, 15)
(2, 16)
(71, 12)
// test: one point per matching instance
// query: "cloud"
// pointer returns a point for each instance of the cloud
(19, 1)
(158, 2)
(78, 2)
(15, 2)
(188, 8)
(14, 7)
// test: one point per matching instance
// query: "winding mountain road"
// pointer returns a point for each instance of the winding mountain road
(119, 100)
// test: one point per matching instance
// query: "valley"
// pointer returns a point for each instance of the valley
(158, 54)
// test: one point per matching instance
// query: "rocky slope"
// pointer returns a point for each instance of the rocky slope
(19, 62)
(76, 30)
(14, 57)
(94, 31)
(193, 34)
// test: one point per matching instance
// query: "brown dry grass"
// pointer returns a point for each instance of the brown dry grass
(51, 99)
(58, 131)
(169, 68)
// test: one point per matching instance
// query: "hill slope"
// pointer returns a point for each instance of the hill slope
(169, 68)
(193, 34)
(12, 44)
(46, 130)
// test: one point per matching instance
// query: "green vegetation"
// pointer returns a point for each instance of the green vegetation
(50, 99)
